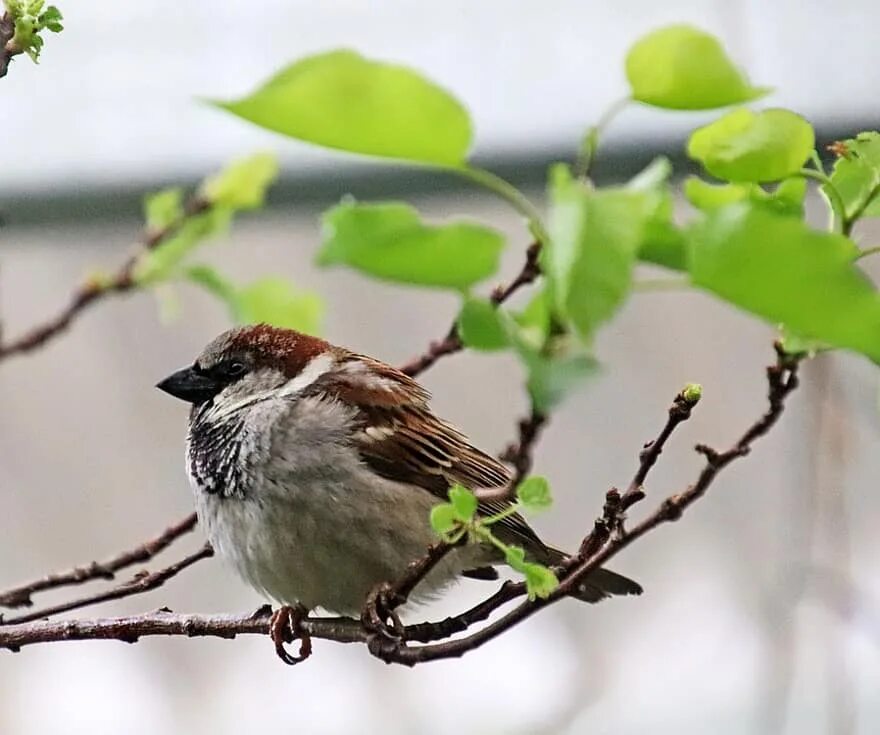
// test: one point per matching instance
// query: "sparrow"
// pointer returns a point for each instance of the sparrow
(314, 471)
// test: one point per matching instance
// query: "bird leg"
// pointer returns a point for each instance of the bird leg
(379, 611)
(285, 626)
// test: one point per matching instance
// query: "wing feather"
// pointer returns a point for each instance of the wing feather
(401, 439)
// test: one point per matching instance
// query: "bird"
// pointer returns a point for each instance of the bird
(314, 470)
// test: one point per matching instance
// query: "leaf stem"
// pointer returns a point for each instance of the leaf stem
(838, 208)
(868, 251)
(509, 193)
(590, 142)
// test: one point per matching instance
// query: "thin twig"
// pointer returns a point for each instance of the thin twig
(520, 454)
(140, 583)
(452, 343)
(95, 289)
(679, 411)
(21, 596)
(600, 546)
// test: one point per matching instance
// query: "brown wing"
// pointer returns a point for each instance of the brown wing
(401, 439)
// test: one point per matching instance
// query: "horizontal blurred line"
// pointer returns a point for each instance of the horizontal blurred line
(323, 187)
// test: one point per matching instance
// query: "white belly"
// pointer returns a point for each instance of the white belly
(327, 546)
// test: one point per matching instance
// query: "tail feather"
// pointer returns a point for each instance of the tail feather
(600, 583)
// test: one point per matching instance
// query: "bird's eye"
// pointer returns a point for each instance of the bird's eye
(232, 369)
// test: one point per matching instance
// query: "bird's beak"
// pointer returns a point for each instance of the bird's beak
(190, 386)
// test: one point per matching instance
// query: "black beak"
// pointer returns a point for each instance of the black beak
(190, 386)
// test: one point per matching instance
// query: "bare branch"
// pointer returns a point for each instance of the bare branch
(96, 289)
(21, 596)
(393, 644)
(140, 583)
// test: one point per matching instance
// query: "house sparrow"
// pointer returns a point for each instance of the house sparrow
(315, 470)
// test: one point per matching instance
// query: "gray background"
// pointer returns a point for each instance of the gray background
(761, 605)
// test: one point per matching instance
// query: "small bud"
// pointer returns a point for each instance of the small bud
(692, 393)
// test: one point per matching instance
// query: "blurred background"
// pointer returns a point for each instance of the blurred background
(762, 606)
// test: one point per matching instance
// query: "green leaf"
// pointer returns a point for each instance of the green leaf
(341, 100)
(242, 184)
(162, 261)
(786, 199)
(534, 493)
(653, 176)
(594, 238)
(51, 19)
(540, 581)
(778, 268)
(794, 344)
(680, 67)
(533, 322)
(551, 378)
(444, 519)
(663, 243)
(856, 174)
(276, 301)
(463, 501)
(215, 283)
(515, 558)
(481, 327)
(389, 241)
(163, 208)
(753, 146)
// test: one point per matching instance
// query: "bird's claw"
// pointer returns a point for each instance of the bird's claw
(285, 626)
(379, 616)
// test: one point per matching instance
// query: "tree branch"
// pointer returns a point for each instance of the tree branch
(394, 645)
(95, 289)
(21, 596)
(140, 583)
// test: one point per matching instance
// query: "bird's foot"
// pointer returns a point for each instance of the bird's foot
(379, 616)
(285, 626)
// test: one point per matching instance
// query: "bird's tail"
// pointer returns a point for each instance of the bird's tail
(600, 583)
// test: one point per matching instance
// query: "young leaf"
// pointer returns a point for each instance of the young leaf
(163, 208)
(162, 262)
(594, 238)
(444, 519)
(663, 242)
(341, 100)
(540, 581)
(242, 184)
(532, 324)
(463, 501)
(533, 493)
(551, 378)
(515, 558)
(276, 301)
(856, 174)
(786, 199)
(481, 327)
(217, 284)
(780, 269)
(753, 146)
(683, 68)
(389, 241)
